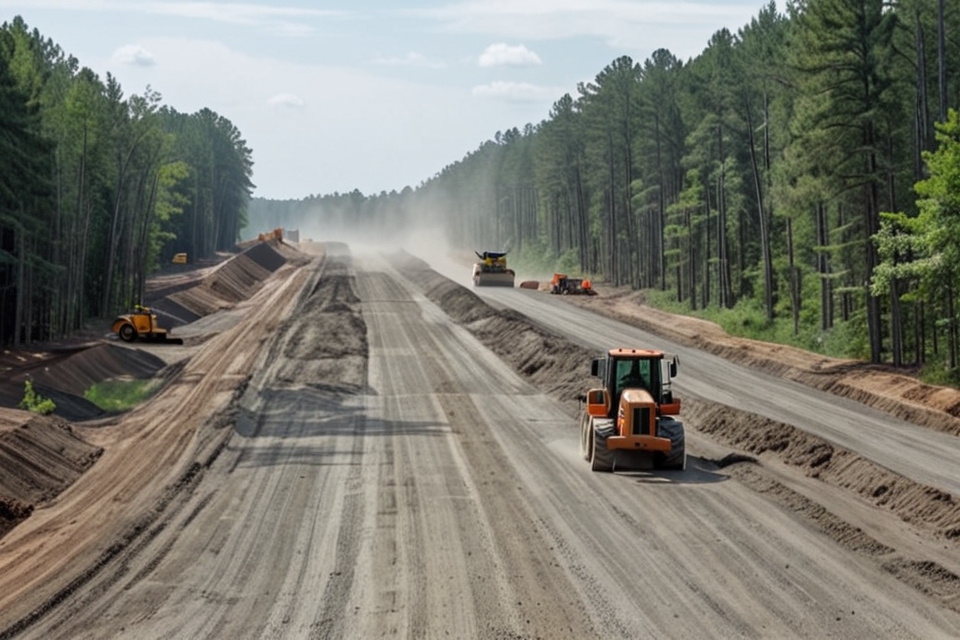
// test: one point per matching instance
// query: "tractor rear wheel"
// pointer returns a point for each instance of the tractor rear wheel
(586, 438)
(127, 333)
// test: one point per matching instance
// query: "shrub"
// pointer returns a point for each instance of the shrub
(34, 402)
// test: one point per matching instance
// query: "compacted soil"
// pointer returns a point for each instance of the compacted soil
(356, 446)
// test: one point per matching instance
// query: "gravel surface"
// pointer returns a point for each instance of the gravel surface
(365, 448)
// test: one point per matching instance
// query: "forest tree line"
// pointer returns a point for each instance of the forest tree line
(98, 188)
(806, 165)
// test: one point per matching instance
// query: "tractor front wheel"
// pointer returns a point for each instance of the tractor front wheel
(601, 458)
(127, 333)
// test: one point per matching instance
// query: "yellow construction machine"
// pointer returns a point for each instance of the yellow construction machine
(492, 271)
(142, 325)
(629, 422)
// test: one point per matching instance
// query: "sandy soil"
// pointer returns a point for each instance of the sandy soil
(877, 386)
(247, 359)
(40, 461)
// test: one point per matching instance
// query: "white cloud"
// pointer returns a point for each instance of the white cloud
(286, 100)
(355, 128)
(412, 59)
(516, 91)
(501, 54)
(280, 19)
(235, 12)
(683, 27)
(135, 55)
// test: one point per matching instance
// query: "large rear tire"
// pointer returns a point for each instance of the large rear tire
(586, 438)
(127, 333)
(601, 458)
(676, 460)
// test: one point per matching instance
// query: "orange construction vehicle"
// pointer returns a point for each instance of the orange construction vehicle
(141, 324)
(629, 422)
(565, 285)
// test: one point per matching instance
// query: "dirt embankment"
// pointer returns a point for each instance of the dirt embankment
(876, 386)
(554, 365)
(550, 362)
(331, 350)
(42, 456)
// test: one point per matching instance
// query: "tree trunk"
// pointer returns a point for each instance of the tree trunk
(942, 59)
(794, 280)
(764, 224)
(823, 269)
(896, 324)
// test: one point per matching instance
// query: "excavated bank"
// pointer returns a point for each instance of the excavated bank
(77, 373)
(40, 456)
(229, 283)
(553, 363)
(331, 349)
(877, 386)
(920, 505)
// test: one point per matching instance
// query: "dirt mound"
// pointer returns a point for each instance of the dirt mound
(266, 255)
(912, 502)
(40, 457)
(65, 377)
(233, 281)
(81, 370)
(552, 363)
(333, 344)
(900, 395)
(172, 314)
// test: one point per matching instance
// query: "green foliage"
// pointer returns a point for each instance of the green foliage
(747, 319)
(120, 395)
(937, 372)
(34, 402)
(98, 188)
(540, 261)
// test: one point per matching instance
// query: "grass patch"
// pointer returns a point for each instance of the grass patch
(120, 395)
(747, 319)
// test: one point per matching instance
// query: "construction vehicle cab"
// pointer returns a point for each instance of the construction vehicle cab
(492, 271)
(629, 422)
(179, 258)
(141, 324)
(565, 285)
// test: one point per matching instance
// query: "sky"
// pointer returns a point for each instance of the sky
(373, 95)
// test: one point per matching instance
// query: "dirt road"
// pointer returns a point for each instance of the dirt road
(383, 473)
(933, 459)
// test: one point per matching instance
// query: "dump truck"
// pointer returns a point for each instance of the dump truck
(142, 325)
(492, 271)
(631, 421)
(563, 284)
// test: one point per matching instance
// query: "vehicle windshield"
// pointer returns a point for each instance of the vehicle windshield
(637, 373)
